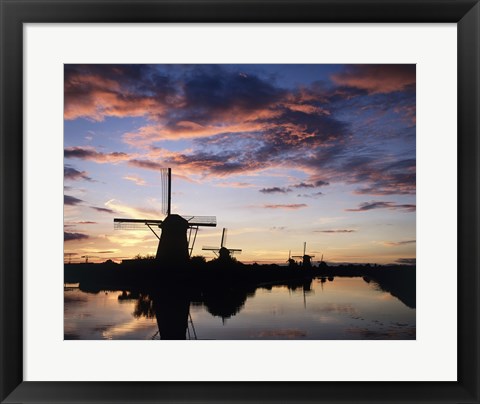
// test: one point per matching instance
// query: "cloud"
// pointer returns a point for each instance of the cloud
(98, 91)
(74, 236)
(71, 200)
(314, 195)
(385, 178)
(219, 164)
(194, 92)
(274, 190)
(135, 179)
(245, 123)
(149, 165)
(102, 210)
(383, 205)
(377, 78)
(286, 206)
(93, 155)
(335, 231)
(235, 184)
(303, 185)
(80, 222)
(398, 243)
(70, 173)
(217, 90)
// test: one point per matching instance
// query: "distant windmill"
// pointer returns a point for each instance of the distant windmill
(69, 255)
(174, 247)
(291, 262)
(306, 259)
(322, 264)
(223, 251)
(87, 257)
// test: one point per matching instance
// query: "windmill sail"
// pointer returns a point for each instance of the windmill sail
(142, 224)
(166, 182)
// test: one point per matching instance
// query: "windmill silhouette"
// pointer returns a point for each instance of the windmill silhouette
(69, 256)
(223, 251)
(291, 262)
(306, 259)
(88, 256)
(175, 246)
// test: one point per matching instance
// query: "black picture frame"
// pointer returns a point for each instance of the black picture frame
(465, 13)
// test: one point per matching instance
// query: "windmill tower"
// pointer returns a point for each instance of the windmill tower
(178, 233)
(306, 259)
(223, 252)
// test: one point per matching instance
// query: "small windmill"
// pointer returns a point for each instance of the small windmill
(87, 257)
(306, 259)
(69, 256)
(322, 264)
(174, 246)
(223, 251)
(291, 262)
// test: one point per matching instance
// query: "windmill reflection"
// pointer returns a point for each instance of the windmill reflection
(171, 304)
(171, 308)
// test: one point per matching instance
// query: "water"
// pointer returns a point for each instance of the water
(342, 308)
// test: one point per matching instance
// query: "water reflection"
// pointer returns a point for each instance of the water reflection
(322, 308)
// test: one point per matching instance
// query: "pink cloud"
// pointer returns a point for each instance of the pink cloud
(286, 206)
(95, 97)
(89, 153)
(377, 78)
(189, 130)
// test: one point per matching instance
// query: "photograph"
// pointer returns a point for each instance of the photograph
(261, 176)
(239, 201)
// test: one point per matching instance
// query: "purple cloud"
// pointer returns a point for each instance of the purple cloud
(383, 205)
(67, 236)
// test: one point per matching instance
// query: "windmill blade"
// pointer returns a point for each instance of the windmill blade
(224, 237)
(135, 224)
(211, 248)
(166, 183)
(208, 221)
(142, 224)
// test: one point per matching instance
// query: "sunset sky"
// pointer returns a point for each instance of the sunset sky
(280, 154)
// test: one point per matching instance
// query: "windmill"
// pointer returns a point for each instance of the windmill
(291, 262)
(322, 264)
(175, 246)
(88, 256)
(223, 251)
(69, 255)
(306, 259)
